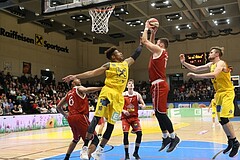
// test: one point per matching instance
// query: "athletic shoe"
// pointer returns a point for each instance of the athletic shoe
(136, 156)
(100, 137)
(234, 150)
(229, 147)
(84, 153)
(127, 157)
(173, 144)
(165, 143)
(97, 154)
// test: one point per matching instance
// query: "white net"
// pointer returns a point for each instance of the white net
(100, 18)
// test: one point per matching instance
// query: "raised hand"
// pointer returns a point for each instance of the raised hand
(147, 25)
(68, 78)
(182, 58)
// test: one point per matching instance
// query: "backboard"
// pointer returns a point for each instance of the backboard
(53, 6)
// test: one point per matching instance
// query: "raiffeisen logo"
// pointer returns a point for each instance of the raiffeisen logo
(39, 41)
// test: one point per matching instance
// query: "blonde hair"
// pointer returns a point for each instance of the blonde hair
(220, 50)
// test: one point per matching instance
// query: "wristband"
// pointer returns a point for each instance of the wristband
(146, 29)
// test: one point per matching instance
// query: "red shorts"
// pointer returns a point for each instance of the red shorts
(134, 122)
(79, 124)
(159, 93)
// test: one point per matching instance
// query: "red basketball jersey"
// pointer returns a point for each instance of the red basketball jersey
(157, 67)
(130, 104)
(76, 103)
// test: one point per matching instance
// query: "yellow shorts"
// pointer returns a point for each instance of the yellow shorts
(225, 105)
(110, 104)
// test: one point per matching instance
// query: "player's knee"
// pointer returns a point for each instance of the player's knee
(93, 124)
(108, 132)
(139, 133)
(223, 121)
(75, 141)
(95, 141)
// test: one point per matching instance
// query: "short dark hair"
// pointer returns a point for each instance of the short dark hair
(131, 80)
(110, 52)
(165, 41)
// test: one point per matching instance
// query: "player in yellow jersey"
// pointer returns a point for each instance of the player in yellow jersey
(221, 79)
(110, 101)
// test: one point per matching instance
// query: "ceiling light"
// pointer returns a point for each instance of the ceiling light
(175, 16)
(21, 8)
(221, 21)
(63, 25)
(134, 23)
(120, 11)
(183, 26)
(81, 18)
(161, 4)
(214, 11)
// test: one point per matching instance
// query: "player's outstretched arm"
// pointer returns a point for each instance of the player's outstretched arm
(88, 89)
(193, 67)
(88, 74)
(150, 45)
(134, 55)
(220, 66)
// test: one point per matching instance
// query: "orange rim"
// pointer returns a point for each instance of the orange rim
(109, 8)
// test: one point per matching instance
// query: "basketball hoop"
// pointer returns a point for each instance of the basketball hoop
(100, 18)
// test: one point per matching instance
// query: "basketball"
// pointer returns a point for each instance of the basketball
(153, 22)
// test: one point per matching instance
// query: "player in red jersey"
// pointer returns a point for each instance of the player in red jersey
(130, 118)
(78, 114)
(159, 86)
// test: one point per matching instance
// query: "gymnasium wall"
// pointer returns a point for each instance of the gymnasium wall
(15, 52)
(83, 56)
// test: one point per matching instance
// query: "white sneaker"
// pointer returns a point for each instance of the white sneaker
(84, 153)
(213, 125)
(97, 154)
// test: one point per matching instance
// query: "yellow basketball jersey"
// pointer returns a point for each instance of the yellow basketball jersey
(223, 81)
(117, 76)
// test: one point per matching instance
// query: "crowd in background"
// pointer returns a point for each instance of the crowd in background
(31, 95)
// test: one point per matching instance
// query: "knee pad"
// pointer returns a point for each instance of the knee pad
(93, 124)
(107, 134)
(139, 137)
(125, 138)
(95, 141)
(223, 121)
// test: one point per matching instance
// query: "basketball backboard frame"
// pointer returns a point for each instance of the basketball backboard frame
(47, 9)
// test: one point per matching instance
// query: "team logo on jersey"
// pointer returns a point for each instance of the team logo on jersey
(115, 116)
(104, 102)
(121, 72)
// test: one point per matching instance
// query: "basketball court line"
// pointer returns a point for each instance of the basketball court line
(149, 150)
